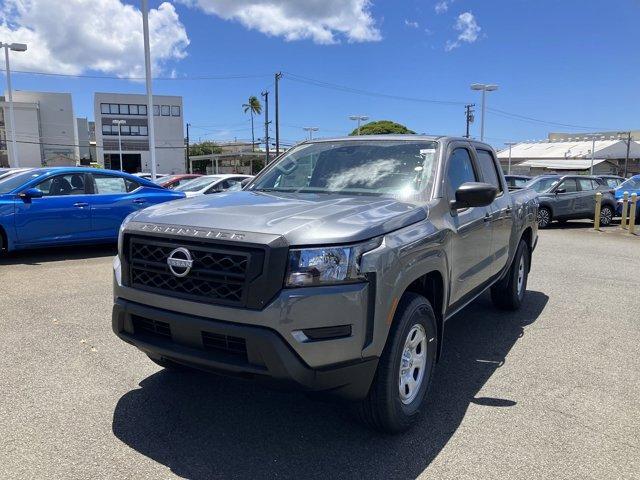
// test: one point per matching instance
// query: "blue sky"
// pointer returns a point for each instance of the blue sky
(569, 62)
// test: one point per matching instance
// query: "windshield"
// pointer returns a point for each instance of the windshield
(402, 168)
(631, 184)
(544, 184)
(10, 183)
(196, 184)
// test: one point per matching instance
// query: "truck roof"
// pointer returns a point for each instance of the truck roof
(403, 137)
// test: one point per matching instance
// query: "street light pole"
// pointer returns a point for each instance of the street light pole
(484, 88)
(510, 144)
(626, 158)
(16, 47)
(310, 130)
(359, 118)
(147, 74)
(119, 123)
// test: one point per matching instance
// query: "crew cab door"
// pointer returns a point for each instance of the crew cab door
(62, 214)
(500, 210)
(470, 252)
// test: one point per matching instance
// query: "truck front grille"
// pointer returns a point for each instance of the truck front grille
(219, 274)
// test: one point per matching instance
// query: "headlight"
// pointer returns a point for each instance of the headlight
(327, 265)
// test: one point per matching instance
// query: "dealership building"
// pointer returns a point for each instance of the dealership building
(45, 131)
(129, 111)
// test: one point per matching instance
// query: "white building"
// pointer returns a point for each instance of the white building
(535, 158)
(168, 128)
(45, 129)
(84, 154)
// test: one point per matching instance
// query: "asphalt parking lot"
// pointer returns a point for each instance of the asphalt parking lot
(552, 391)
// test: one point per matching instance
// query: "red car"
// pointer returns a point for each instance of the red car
(172, 181)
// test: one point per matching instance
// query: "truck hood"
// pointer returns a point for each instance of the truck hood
(302, 219)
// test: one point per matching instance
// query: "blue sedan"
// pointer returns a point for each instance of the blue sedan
(631, 185)
(71, 205)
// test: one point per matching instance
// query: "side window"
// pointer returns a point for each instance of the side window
(460, 170)
(110, 184)
(70, 184)
(586, 184)
(488, 168)
(569, 185)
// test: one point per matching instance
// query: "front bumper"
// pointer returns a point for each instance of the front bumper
(229, 348)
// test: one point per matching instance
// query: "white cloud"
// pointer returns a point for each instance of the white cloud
(323, 21)
(469, 31)
(411, 24)
(73, 36)
(442, 6)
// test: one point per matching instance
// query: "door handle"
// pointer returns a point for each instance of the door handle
(139, 201)
(487, 217)
(81, 204)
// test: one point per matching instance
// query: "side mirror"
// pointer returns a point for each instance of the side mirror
(31, 193)
(561, 190)
(474, 194)
(245, 182)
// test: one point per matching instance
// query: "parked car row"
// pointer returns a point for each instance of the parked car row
(570, 197)
(74, 205)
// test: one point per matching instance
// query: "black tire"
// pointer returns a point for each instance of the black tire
(167, 364)
(606, 215)
(384, 409)
(509, 293)
(544, 217)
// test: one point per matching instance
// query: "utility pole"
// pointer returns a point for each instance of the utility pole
(147, 76)
(15, 47)
(188, 165)
(469, 116)
(626, 158)
(278, 77)
(265, 95)
(510, 144)
(310, 131)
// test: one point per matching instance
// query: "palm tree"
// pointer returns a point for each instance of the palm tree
(252, 106)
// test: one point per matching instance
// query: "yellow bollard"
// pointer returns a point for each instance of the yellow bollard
(596, 216)
(632, 213)
(625, 206)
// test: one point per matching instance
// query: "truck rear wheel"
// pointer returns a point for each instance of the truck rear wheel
(509, 292)
(405, 369)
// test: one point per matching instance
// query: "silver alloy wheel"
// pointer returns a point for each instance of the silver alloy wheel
(520, 275)
(543, 217)
(605, 216)
(412, 364)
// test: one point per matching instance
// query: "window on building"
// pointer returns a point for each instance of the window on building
(166, 110)
(175, 110)
(113, 108)
(125, 129)
(142, 109)
(135, 130)
(104, 108)
(106, 129)
(133, 109)
(488, 168)
(124, 109)
(143, 130)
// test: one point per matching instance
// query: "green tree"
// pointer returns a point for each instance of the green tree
(204, 148)
(382, 127)
(253, 106)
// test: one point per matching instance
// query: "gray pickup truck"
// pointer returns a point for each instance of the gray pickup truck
(334, 270)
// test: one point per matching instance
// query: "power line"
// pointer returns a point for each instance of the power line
(116, 77)
(523, 118)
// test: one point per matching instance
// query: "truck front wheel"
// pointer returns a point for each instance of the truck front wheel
(405, 369)
(509, 292)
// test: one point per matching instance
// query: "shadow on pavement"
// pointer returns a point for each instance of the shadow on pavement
(56, 254)
(202, 426)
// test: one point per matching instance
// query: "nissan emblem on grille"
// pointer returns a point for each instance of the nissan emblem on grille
(180, 262)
